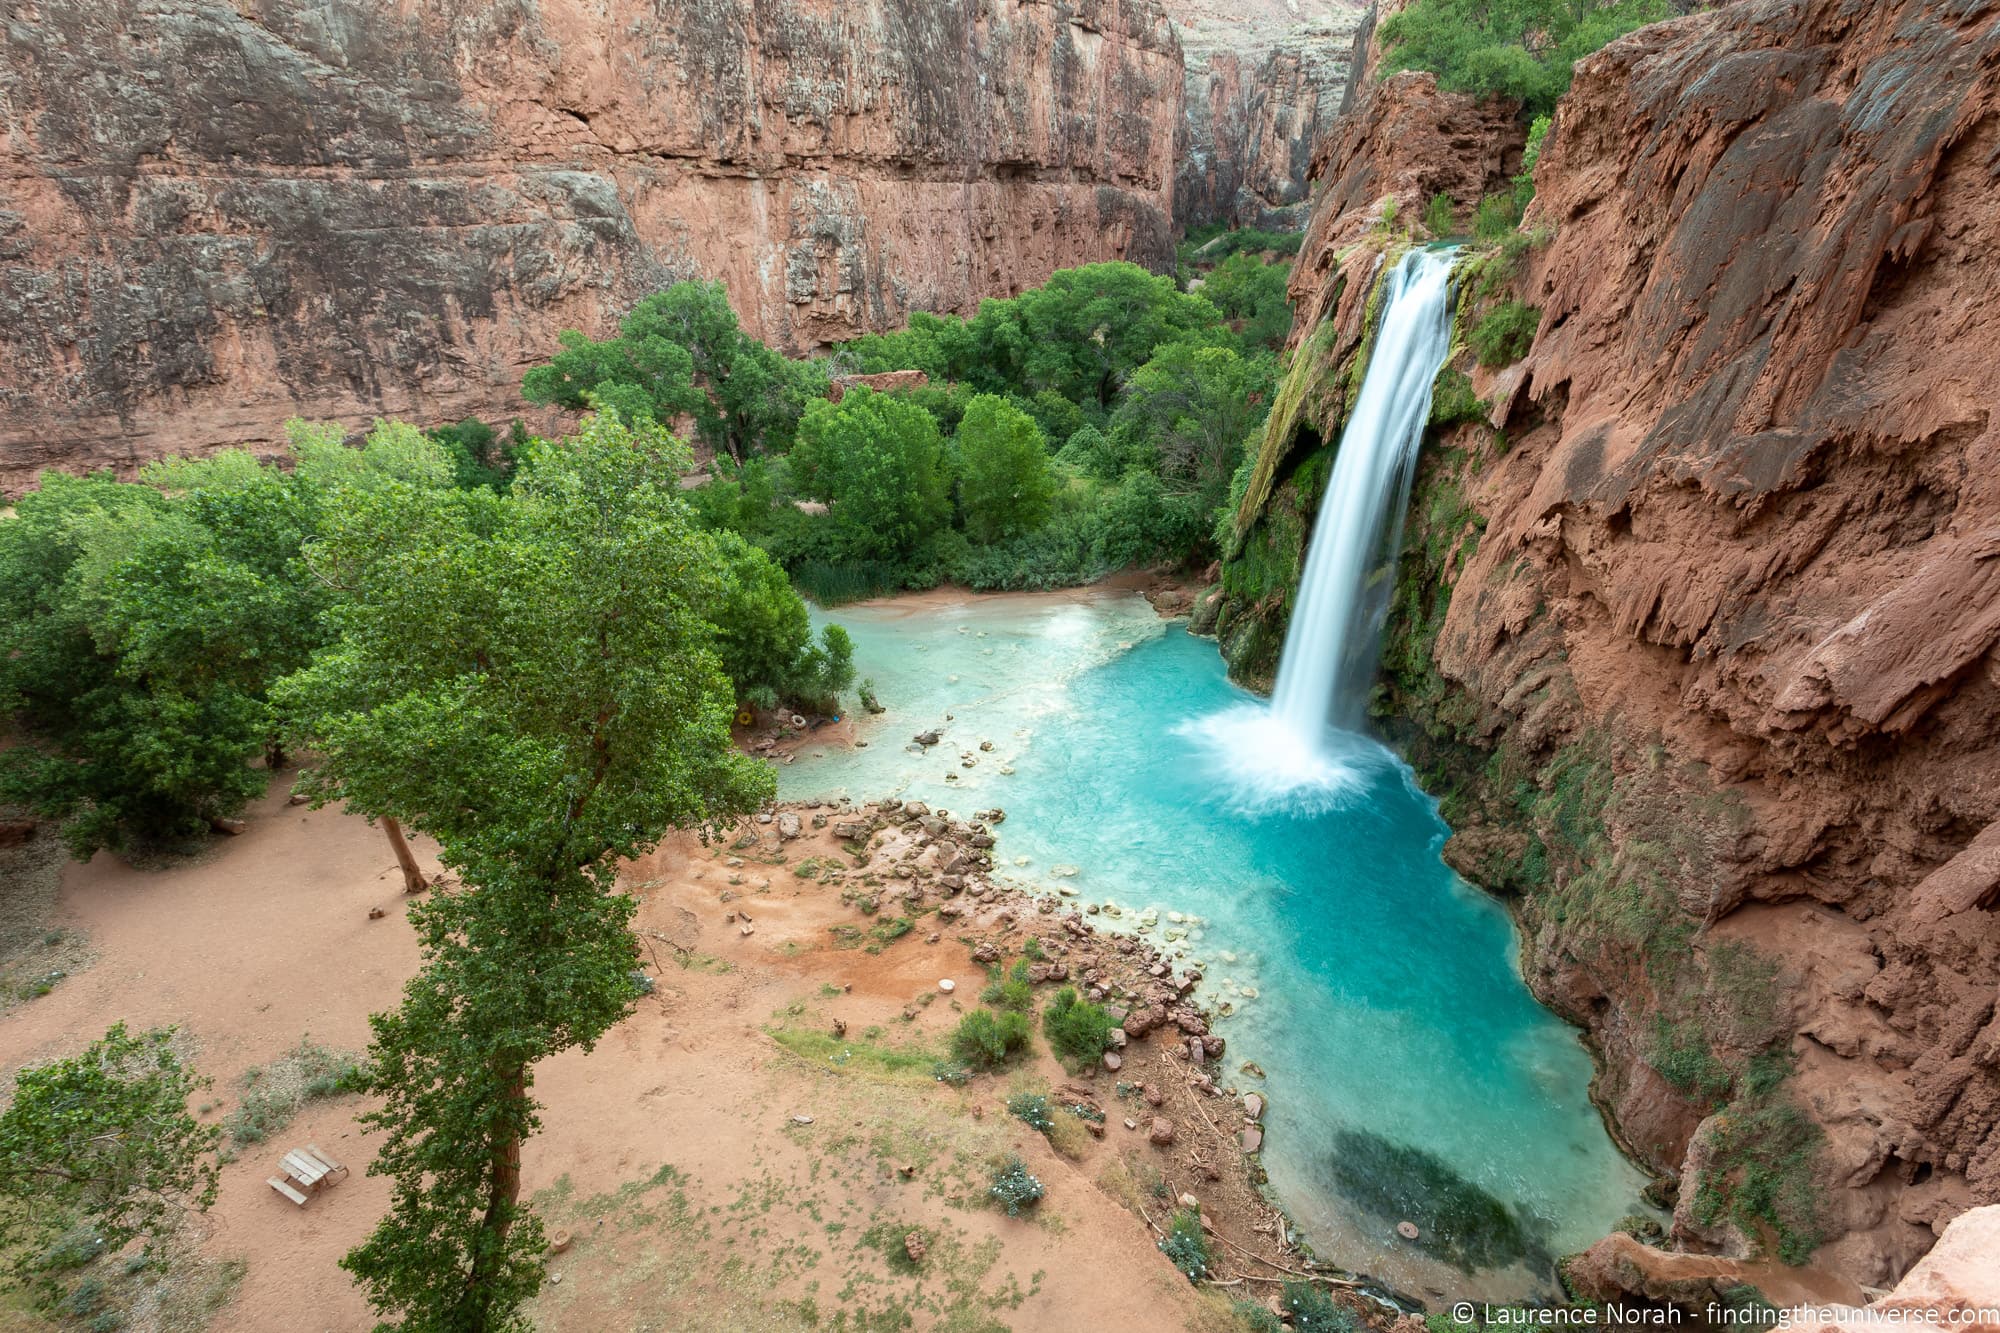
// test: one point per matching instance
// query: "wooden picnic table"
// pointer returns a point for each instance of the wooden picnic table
(306, 1169)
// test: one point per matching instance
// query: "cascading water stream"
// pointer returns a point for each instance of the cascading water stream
(1300, 752)
(1336, 630)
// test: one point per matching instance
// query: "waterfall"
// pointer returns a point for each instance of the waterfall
(1336, 630)
(1302, 754)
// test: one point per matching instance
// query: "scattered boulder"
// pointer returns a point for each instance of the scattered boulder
(914, 1247)
(788, 825)
(1253, 1105)
(1162, 1132)
(1253, 1139)
(1113, 1061)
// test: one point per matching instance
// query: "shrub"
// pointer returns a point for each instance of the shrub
(1498, 215)
(1015, 1188)
(1077, 1029)
(1313, 1311)
(1185, 1245)
(1010, 989)
(985, 1038)
(273, 1094)
(1254, 1318)
(1031, 1108)
(1439, 215)
(1505, 333)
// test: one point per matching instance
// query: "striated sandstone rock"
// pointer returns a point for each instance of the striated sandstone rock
(212, 218)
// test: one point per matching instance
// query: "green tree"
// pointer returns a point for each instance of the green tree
(129, 652)
(1190, 409)
(879, 463)
(1523, 49)
(1251, 295)
(1004, 483)
(683, 351)
(530, 680)
(1085, 329)
(104, 1141)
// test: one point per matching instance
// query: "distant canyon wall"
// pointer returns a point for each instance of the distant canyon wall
(214, 216)
(1698, 626)
(1264, 81)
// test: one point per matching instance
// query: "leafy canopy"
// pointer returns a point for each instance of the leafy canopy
(878, 461)
(1523, 49)
(1004, 485)
(102, 1140)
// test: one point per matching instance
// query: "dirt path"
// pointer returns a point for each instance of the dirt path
(673, 1152)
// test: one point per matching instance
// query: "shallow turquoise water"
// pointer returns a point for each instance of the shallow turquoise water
(1376, 989)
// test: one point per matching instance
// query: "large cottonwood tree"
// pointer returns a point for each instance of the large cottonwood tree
(529, 680)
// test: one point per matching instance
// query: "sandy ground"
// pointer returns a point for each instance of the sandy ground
(672, 1152)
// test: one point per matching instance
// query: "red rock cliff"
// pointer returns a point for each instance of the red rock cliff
(1703, 645)
(212, 217)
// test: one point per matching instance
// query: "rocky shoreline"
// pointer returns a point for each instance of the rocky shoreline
(1163, 1081)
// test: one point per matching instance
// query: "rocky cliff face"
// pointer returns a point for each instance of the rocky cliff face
(1698, 625)
(1264, 82)
(214, 216)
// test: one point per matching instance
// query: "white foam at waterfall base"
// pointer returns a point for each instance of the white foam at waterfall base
(1299, 754)
(1264, 765)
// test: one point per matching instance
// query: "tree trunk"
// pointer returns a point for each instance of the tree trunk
(503, 1193)
(413, 878)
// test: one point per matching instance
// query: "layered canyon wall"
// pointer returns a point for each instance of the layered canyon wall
(1264, 81)
(1697, 629)
(214, 216)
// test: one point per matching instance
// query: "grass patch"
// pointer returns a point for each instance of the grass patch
(274, 1093)
(908, 1063)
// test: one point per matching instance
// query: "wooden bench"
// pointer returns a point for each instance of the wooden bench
(284, 1187)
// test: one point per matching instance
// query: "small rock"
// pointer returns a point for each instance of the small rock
(913, 1245)
(1407, 1230)
(376, 914)
(1189, 1202)
(1253, 1139)
(802, 1120)
(1162, 1132)
(1253, 1105)
(1113, 1061)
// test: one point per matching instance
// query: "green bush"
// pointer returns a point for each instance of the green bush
(1031, 1108)
(1010, 989)
(1078, 1030)
(1254, 1318)
(1453, 401)
(1016, 1190)
(1505, 333)
(1439, 215)
(1498, 214)
(985, 1038)
(1186, 1246)
(1313, 1311)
